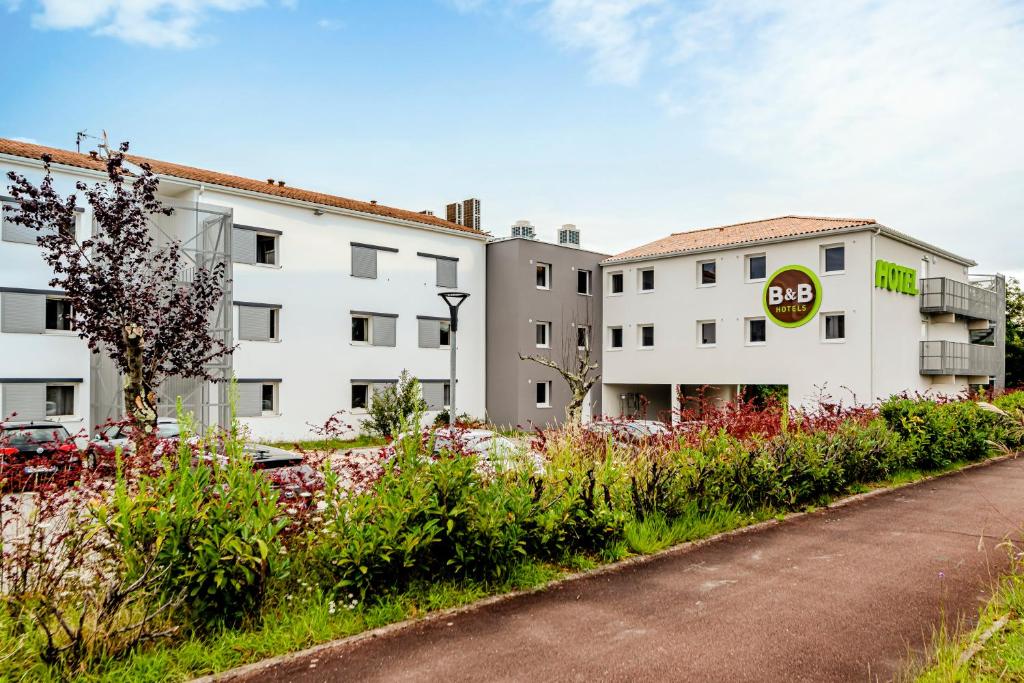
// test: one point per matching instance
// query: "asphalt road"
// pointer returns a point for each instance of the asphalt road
(846, 594)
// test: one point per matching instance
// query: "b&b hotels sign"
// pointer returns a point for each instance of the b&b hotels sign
(792, 296)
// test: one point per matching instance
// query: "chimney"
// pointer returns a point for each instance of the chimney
(569, 236)
(466, 212)
(427, 212)
(270, 181)
(524, 229)
(280, 183)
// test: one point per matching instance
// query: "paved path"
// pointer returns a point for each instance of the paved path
(843, 594)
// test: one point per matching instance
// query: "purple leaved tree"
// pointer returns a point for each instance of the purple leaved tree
(144, 304)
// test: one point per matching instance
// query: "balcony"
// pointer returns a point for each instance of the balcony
(958, 358)
(944, 295)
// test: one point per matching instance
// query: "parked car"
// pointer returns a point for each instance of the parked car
(629, 432)
(35, 451)
(119, 435)
(490, 447)
(287, 471)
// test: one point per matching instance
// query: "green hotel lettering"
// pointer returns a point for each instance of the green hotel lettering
(895, 278)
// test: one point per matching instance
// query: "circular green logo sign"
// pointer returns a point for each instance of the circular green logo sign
(792, 296)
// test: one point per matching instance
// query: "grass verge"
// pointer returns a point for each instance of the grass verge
(361, 441)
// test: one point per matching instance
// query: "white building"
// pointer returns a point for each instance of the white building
(850, 308)
(329, 298)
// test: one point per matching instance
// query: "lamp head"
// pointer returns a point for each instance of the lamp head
(454, 299)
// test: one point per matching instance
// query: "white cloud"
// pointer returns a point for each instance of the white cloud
(156, 23)
(330, 24)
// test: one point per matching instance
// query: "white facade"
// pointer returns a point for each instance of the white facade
(877, 356)
(313, 362)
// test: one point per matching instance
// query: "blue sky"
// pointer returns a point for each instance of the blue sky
(631, 118)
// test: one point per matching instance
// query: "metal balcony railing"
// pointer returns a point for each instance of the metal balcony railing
(958, 358)
(944, 295)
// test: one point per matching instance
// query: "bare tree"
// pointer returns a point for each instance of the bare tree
(127, 293)
(576, 364)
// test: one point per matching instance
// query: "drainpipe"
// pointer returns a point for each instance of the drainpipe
(871, 342)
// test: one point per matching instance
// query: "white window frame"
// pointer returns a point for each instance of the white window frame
(824, 328)
(351, 396)
(441, 324)
(276, 399)
(611, 277)
(611, 334)
(746, 331)
(274, 320)
(586, 337)
(590, 282)
(277, 250)
(74, 400)
(55, 331)
(746, 267)
(700, 273)
(369, 330)
(546, 326)
(547, 275)
(547, 393)
(640, 336)
(700, 334)
(640, 280)
(824, 249)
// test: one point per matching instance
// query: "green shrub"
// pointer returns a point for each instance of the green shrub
(394, 405)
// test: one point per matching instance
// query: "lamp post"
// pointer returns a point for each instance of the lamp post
(454, 300)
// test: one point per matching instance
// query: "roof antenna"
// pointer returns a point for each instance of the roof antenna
(84, 133)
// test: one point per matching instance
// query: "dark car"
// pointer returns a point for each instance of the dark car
(287, 472)
(34, 452)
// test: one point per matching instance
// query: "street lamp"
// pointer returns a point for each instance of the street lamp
(454, 300)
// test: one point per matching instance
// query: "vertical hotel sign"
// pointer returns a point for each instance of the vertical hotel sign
(792, 296)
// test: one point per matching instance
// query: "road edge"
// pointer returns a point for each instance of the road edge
(245, 671)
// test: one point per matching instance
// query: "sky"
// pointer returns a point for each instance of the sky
(630, 118)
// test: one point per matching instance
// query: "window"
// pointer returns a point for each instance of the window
(360, 396)
(543, 335)
(258, 322)
(543, 276)
(757, 331)
(647, 280)
(615, 337)
(615, 283)
(447, 394)
(445, 334)
(266, 249)
(360, 329)
(646, 336)
(835, 327)
(757, 267)
(268, 399)
(58, 314)
(834, 258)
(583, 337)
(584, 279)
(543, 394)
(707, 332)
(706, 273)
(60, 400)
(275, 313)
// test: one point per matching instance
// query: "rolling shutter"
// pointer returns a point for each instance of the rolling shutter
(254, 323)
(250, 399)
(430, 333)
(21, 312)
(379, 387)
(447, 273)
(12, 232)
(28, 400)
(243, 246)
(383, 330)
(364, 262)
(433, 394)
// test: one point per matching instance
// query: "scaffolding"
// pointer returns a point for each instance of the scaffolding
(204, 234)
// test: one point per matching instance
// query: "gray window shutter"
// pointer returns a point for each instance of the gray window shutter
(250, 399)
(383, 330)
(22, 312)
(12, 232)
(447, 273)
(243, 246)
(27, 400)
(254, 323)
(433, 394)
(378, 387)
(364, 262)
(430, 334)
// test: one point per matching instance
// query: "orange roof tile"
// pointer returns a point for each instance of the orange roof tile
(69, 158)
(740, 233)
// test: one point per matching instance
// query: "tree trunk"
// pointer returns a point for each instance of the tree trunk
(139, 399)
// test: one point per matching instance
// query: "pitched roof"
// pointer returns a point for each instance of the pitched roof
(165, 168)
(740, 233)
